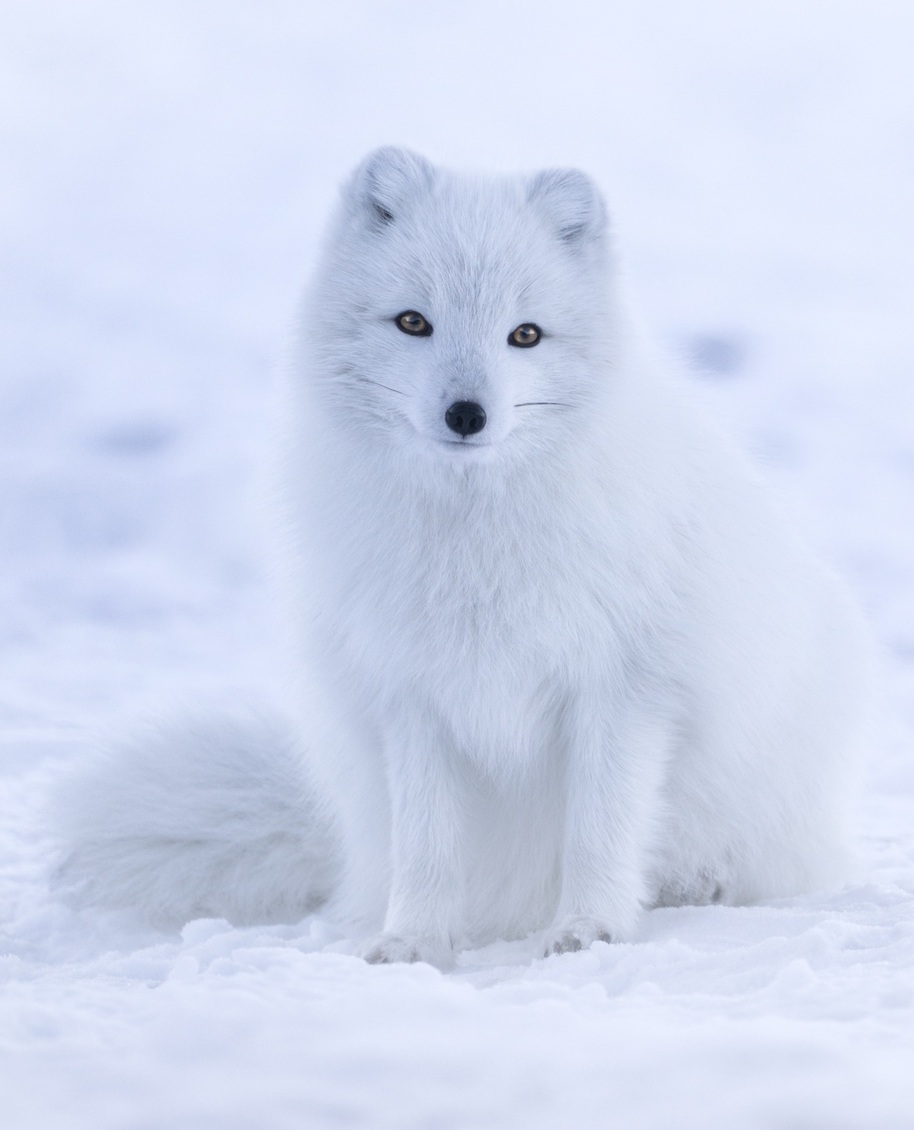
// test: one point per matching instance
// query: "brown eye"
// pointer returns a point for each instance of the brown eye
(412, 323)
(526, 335)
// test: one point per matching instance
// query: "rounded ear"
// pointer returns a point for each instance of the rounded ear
(385, 181)
(571, 202)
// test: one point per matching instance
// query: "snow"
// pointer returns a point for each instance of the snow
(165, 170)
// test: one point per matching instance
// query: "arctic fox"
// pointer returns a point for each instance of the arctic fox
(570, 664)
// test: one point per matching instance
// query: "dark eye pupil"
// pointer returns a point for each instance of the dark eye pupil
(411, 322)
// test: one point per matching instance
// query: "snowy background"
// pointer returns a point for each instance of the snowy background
(165, 171)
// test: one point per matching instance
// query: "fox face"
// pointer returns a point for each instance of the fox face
(461, 318)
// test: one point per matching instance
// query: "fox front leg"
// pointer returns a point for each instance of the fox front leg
(427, 883)
(616, 762)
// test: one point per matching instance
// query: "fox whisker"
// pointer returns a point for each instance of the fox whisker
(369, 381)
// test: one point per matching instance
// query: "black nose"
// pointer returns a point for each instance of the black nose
(465, 418)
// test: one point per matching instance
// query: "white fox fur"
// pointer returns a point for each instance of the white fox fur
(571, 666)
(211, 814)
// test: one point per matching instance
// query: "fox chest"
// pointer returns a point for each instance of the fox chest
(488, 615)
(482, 675)
(485, 636)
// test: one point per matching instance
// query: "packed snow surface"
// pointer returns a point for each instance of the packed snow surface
(165, 172)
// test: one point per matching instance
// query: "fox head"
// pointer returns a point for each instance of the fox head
(462, 317)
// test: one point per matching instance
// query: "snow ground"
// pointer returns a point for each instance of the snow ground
(165, 169)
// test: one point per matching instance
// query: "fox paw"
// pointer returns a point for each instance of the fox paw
(578, 933)
(389, 949)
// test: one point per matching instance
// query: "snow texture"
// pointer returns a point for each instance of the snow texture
(166, 171)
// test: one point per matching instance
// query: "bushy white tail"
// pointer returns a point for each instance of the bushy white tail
(201, 817)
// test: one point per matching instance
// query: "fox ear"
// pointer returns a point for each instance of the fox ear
(385, 181)
(571, 202)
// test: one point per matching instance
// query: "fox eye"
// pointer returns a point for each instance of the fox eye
(411, 322)
(524, 336)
